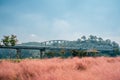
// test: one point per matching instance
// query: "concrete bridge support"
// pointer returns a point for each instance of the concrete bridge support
(42, 52)
(18, 53)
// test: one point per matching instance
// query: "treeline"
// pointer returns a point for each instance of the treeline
(93, 42)
(97, 40)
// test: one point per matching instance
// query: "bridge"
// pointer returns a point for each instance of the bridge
(51, 45)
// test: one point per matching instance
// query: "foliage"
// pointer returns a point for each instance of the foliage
(13, 40)
(62, 53)
(50, 54)
(82, 53)
(10, 40)
(6, 40)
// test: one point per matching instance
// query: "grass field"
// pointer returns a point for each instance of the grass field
(88, 68)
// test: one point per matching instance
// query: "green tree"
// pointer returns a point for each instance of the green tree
(78, 41)
(100, 39)
(13, 40)
(62, 53)
(116, 51)
(10, 40)
(50, 54)
(92, 38)
(6, 40)
(115, 47)
(108, 41)
(83, 38)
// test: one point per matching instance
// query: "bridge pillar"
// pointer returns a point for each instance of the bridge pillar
(41, 53)
(18, 53)
(45, 43)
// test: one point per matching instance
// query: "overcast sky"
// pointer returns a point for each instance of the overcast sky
(41, 20)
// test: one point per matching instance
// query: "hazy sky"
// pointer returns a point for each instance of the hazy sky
(39, 20)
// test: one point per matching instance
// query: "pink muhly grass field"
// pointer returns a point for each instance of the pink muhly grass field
(88, 68)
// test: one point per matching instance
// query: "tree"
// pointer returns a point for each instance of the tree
(6, 40)
(10, 40)
(83, 38)
(108, 41)
(115, 45)
(92, 38)
(50, 54)
(78, 40)
(62, 53)
(13, 40)
(115, 48)
(116, 51)
(100, 39)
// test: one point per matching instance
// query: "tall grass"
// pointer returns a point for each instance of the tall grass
(100, 68)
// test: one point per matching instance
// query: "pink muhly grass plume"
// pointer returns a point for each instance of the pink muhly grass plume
(87, 68)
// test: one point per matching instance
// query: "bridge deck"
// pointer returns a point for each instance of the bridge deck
(47, 47)
(23, 47)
